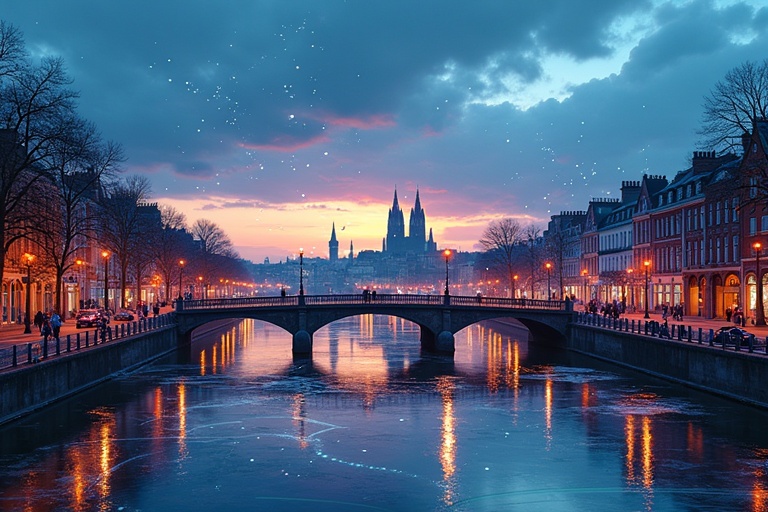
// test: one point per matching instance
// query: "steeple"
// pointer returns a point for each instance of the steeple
(395, 227)
(417, 226)
(333, 245)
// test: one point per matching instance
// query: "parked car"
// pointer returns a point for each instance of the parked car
(88, 318)
(729, 336)
(124, 316)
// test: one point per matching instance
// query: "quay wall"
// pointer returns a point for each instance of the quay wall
(738, 375)
(29, 388)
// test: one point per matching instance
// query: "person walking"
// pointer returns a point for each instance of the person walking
(55, 325)
(39, 317)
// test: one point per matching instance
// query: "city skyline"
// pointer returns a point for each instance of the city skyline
(278, 120)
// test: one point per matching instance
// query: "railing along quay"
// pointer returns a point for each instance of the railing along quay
(674, 332)
(394, 299)
(36, 351)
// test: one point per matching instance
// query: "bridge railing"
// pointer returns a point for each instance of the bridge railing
(381, 298)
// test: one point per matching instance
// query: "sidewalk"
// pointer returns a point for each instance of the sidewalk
(695, 322)
(13, 334)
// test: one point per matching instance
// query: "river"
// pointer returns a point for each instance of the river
(373, 424)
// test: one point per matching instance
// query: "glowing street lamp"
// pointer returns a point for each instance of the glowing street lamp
(646, 264)
(630, 276)
(105, 255)
(28, 259)
(447, 255)
(548, 265)
(200, 279)
(759, 311)
(181, 276)
(585, 275)
(514, 284)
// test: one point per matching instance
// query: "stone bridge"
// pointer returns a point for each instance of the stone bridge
(439, 317)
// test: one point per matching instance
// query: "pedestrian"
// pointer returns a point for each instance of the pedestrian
(39, 320)
(156, 309)
(55, 325)
(46, 329)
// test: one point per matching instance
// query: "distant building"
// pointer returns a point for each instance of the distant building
(396, 242)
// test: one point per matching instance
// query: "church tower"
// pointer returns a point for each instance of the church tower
(395, 227)
(417, 227)
(333, 246)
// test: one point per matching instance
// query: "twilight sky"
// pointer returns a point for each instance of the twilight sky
(275, 119)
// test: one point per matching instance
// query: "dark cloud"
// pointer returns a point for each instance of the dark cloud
(273, 102)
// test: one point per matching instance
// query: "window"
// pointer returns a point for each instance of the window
(735, 209)
(753, 186)
(764, 223)
(735, 248)
(717, 213)
(752, 225)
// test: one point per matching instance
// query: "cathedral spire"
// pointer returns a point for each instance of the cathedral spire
(333, 245)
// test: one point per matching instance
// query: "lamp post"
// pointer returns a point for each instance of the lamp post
(630, 279)
(200, 282)
(759, 311)
(514, 284)
(548, 265)
(301, 271)
(181, 274)
(28, 258)
(646, 264)
(105, 255)
(584, 274)
(447, 255)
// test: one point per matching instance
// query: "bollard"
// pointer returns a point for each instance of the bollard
(86, 339)
(69, 342)
(701, 336)
(29, 352)
(77, 342)
(689, 334)
(751, 343)
(711, 337)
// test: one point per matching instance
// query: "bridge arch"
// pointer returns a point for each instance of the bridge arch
(439, 318)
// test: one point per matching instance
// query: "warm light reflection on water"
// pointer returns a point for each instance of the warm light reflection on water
(445, 387)
(372, 421)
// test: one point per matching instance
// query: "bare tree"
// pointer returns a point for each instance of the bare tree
(80, 162)
(35, 103)
(499, 240)
(734, 103)
(170, 242)
(213, 242)
(122, 223)
(533, 255)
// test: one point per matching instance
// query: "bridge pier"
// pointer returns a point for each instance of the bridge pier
(443, 343)
(302, 343)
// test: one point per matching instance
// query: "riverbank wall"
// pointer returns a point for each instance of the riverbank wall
(693, 361)
(29, 388)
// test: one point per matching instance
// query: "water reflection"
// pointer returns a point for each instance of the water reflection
(445, 387)
(371, 421)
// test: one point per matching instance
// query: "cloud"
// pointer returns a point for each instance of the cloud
(490, 108)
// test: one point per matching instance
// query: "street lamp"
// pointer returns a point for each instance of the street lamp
(105, 255)
(447, 254)
(646, 264)
(630, 279)
(181, 274)
(514, 284)
(549, 279)
(301, 271)
(28, 259)
(759, 311)
(585, 274)
(200, 278)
